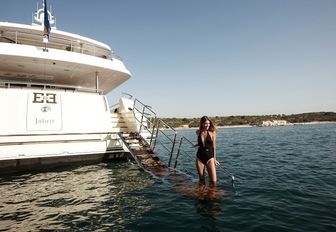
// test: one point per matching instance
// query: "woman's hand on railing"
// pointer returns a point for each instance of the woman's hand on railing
(217, 162)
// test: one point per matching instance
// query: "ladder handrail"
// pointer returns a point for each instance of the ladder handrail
(155, 121)
(143, 114)
(179, 149)
(145, 106)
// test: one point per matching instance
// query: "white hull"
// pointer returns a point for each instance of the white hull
(39, 111)
(40, 127)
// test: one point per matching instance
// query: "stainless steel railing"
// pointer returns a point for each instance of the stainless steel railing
(14, 84)
(179, 150)
(150, 123)
(60, 42)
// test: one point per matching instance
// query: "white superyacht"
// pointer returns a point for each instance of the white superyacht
(53, 87)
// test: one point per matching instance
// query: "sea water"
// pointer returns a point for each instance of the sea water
(285, 180)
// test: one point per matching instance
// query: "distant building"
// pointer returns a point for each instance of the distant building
(274, 123)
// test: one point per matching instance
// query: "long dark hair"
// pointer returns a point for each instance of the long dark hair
(212, 127)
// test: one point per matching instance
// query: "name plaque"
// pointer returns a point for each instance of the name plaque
(44, 112)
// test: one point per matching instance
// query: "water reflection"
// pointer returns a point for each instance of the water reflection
(88, 197)
(209, 209)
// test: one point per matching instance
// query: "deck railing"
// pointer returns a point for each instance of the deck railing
(22, 84)
(35, 38)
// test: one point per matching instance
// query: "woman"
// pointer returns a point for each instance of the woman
(206, 153)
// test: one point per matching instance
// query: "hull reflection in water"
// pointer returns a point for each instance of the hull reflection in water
(89, 197)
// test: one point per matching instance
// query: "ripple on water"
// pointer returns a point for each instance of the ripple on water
(72, 199)
(285, 181)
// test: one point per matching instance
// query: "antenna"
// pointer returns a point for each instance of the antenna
(37, 18)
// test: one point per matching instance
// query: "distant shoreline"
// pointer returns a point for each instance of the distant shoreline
(263, 120)
(185, 127)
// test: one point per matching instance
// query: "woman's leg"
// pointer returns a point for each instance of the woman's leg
(211, 167)
(201, 170)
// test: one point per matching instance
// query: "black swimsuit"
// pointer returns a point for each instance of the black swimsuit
(205, 151)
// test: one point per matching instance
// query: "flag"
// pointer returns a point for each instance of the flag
(47, 27)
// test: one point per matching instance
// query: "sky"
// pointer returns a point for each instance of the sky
(190, 58)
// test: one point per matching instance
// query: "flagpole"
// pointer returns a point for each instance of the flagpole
(46, 25)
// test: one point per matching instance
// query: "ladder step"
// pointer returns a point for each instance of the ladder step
(149, 156)
(154, 163)
(144, 150)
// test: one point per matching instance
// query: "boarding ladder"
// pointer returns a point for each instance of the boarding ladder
(142, 141)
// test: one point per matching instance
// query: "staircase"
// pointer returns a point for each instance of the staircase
(118, 123)
(137, 146)
(135, 128)
(115, 147)
(141, 151)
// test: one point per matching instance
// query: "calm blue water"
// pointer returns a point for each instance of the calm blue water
(285, 181)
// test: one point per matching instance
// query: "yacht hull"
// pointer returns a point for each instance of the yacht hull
(40, 127)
